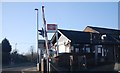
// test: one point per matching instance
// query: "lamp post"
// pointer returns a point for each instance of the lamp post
(38, 66)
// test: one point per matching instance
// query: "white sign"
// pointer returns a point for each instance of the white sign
(51, 28)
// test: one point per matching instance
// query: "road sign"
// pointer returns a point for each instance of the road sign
(51, 28)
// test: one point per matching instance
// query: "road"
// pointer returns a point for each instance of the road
(21, 69)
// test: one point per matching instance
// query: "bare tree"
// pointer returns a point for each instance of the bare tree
(31, 52)
(31, 55)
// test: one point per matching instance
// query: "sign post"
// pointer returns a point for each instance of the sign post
(53, 28)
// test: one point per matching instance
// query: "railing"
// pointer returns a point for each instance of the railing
(53, 68)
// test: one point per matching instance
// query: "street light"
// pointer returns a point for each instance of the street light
(38, 66)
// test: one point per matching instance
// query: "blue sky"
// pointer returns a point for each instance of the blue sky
(19, 19)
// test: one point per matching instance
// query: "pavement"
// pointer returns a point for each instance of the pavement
(30, 69)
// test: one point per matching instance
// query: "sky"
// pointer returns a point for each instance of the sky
(19, 19)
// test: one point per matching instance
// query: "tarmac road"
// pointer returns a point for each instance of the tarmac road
(22, 69)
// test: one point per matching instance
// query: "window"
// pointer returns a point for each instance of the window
(87, 50)
(76, 49)
(99, 50)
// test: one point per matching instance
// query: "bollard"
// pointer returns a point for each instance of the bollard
(38, 66)
(42, 65)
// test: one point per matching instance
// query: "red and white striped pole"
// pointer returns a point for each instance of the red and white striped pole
(46, 39)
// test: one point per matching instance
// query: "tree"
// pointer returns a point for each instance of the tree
(31, 55)
(6, 49)
(18, 58)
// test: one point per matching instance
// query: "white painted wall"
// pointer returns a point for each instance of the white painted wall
(67, 49)
(61, 42)
(61, 48)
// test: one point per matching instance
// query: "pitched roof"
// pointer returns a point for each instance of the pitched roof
(105, 30)
(76, 36)
(113, 34)
(81, 37)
